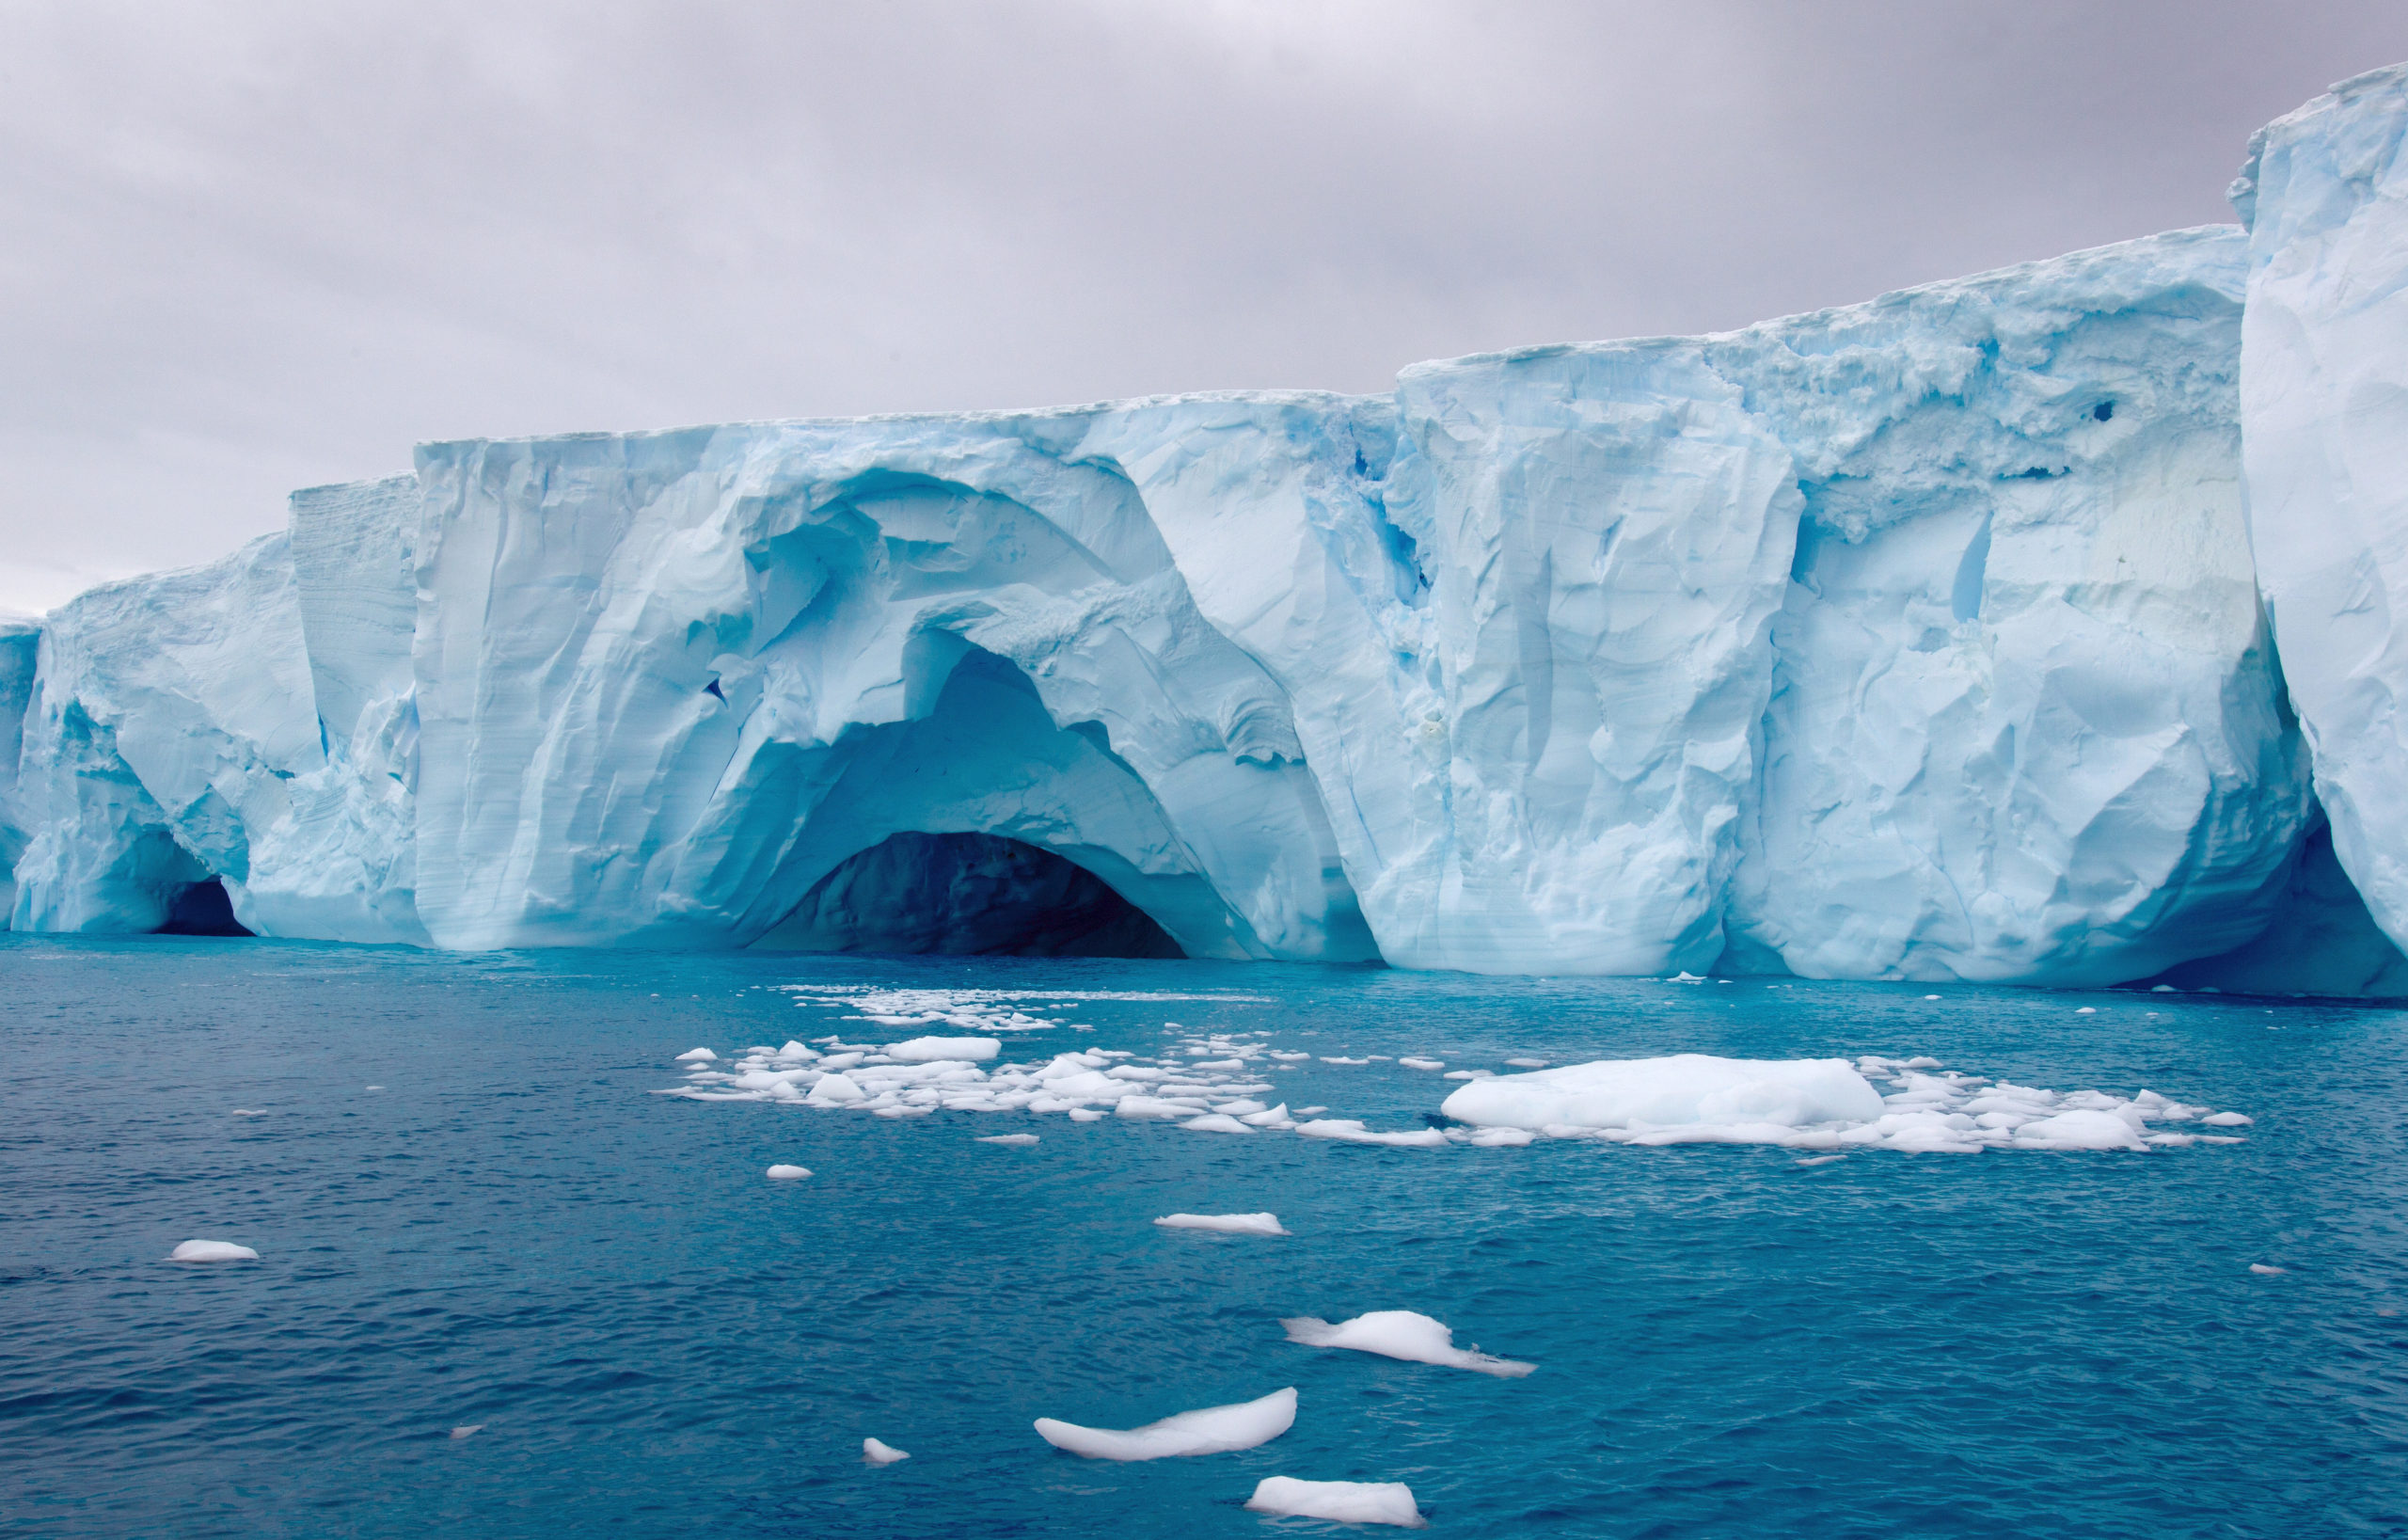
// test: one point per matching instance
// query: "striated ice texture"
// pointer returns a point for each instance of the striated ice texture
(1922, 638)
(2324, 413)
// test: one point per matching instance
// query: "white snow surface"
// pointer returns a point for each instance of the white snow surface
(1342, 1502)
(1212, 1429)
(1916, 639)
(1402, 1334)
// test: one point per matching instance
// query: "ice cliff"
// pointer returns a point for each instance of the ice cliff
(1927, 638)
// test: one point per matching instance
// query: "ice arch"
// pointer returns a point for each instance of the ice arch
(665, 685)
(987, 760)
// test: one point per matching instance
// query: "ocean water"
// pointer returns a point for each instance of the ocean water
(511, 1231)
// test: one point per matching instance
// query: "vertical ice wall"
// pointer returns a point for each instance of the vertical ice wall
(2026, 722)
(169, 712)
(2324, 421)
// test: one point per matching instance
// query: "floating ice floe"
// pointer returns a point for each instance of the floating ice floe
(786, 1173)
(875, 1452)
(1350, 1131)
(1826, 1103)
(1228, 1224)
(1342, 1502)
(1015, 1140)
(467, 1430)
(212, 1251)
(250, 1112)
(1408, 1334)
(697, 1055)
(1210, 1083)
(1528, 1063)
(1213, 1430)
(934, 1050)
(2264, 1270)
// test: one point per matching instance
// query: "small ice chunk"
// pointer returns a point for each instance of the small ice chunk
(2227, 1120)
(1528, 1063)
(1931, 996)
(1500, 1138)
(212, 1251)
(1820, 1160)
(1272, 1118)
(1350, 1131)
(466, 1429)
(1423, 1063)
(1015, 1140)
(1326, 1059)
(1344, 1502)
(250, 1112)
(1089, 1115)
(875, 1452)
(1227, 1224)
(2163, 989)
(1212, 1429)
(1215, 1122)
(836, 1090)
(1402, 1334)
(375, 1088)
(2087, 1010)
(1685, 976)
(697, 1055)
(2084, 1128)
(1287, 1057)
(2263, 1270)
(786, 1173)
(929, 1050)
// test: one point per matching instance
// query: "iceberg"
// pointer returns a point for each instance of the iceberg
(2031, 628)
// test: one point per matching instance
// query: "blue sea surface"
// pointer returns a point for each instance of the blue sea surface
(514, 1232)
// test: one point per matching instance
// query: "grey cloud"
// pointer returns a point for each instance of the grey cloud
(253, 248)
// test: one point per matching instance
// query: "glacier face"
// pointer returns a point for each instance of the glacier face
(1918, 639)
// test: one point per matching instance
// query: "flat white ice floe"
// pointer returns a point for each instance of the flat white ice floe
(1342, 1502)
(1212, 1429)
(786, 1173)
(1228, 1224)
(875, 1452)
(1408, 1334)
(212, 1251)
(697, 1055)
(1350, 1131)
(1016, 1141)
(929, 1050)
(1825, 1103)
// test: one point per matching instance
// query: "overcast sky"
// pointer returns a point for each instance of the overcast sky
(247, 248)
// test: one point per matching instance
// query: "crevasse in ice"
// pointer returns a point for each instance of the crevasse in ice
(1927, 638)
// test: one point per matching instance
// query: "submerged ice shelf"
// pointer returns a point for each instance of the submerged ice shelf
(1930, 638)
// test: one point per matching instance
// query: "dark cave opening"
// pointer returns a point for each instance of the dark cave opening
(202, 908)
(963, 894)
